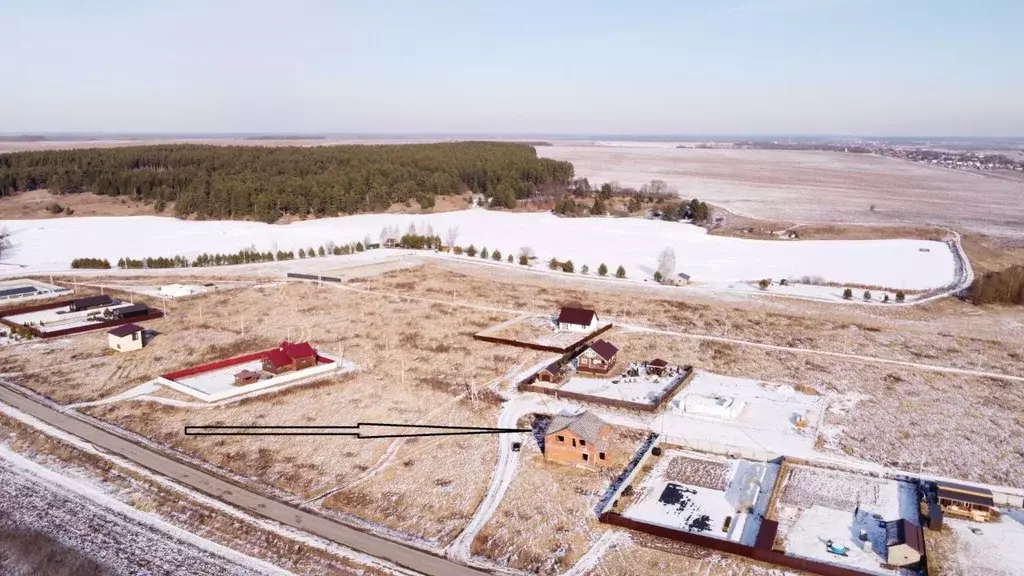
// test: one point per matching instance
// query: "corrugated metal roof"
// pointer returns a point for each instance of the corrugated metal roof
(581, 316)
(604, 349)
(297, 349)
(125, 330)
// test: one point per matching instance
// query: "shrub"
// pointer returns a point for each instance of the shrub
(302, 253)
(657, 276)
(568, 267)
(620, 273)
(783, 282)
(457, 250)
(484, 254)
(847, 294)
(68, 210)
(764, 283)
(360, 247)
(602, 270)
(321, 252)
(524, 260)
(510, 259)
(471, 251)
(885, 299)
(553, 263)
(900, 296)
(867, 295)
(159, 205)
(54, 208)
(585, 269)
(311, 253)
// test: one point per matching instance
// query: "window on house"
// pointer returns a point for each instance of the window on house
(601, 455)
(560, 438)
(573, 442)
(586, 456)
(583, 442)
(135, 335)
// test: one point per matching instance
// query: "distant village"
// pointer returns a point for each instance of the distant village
(956, 160)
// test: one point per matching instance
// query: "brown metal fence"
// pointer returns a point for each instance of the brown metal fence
(151, 315)
(730, 547)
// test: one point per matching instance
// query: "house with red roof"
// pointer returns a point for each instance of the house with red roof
(288, 357)
(598, 358)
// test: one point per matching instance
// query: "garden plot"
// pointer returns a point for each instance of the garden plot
(996, 548)
(722, 414)
(703, 494)
(58, 318)
(817, 505)
(647, 389)
(219, 384)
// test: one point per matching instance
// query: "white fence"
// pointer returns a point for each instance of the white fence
(1013, 500)
(700, 445)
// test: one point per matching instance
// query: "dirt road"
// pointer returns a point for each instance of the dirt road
(237, 496)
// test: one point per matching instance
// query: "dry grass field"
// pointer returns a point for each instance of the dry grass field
(547, 519)
(648, 555)
(33, 205)
(812, 186)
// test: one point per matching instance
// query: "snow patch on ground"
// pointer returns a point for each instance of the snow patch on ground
(998, 550)
(641, 389)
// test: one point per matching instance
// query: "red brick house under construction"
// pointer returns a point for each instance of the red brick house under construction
(581, 440)
(290, 356)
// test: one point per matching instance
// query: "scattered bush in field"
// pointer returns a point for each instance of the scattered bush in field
(620, 273)
(867, 295)
(783, 282)
(764, 283)
(484, 254)
(92, 263)
(847, 294)
(885, 299)
(321, 252)
(496, 256)
(360, 247)
(900, 296)
(568, 267)
(311, 253)
(585, 269)
(54, 208)
(657, 276)
(457, 250)
(159, 205)
(553, 263)
(510, 259)
(524, 260)
(471, 251)
(602, 270)
(302, 253)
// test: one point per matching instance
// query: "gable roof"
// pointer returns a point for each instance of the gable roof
(551, 368)
(125, 330)
(297, 349)
(586, 425)
(581, 316)
(246, 374)
(277, 358)
(604, 349)
(973, 495)
(91, 301)
(904, 531)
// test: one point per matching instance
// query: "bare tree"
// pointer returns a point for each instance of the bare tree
(526, 252)
(452, 236)
(411, 231)
(667, 263)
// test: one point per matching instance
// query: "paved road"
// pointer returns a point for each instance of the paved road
(240, 497)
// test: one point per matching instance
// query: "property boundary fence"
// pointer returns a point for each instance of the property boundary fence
(218, 364)
(729, 547)
(569, 350)
(316, 277)
(625, 404)
(629, 474)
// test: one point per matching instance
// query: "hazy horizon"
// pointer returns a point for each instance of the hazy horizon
(768, 68)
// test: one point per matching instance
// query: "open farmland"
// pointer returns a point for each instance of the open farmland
(424, 369)
(810, 186)
(50, 245)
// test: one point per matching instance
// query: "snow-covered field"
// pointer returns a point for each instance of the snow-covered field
(720, 413)
(696, 493)
(641, 389)
(997, 550)
(43, 245)
(818, 505)
(27, 289)
(217, 385)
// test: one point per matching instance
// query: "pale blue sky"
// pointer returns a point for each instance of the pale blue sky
(866, 67)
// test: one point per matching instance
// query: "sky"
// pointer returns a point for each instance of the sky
(715, 67)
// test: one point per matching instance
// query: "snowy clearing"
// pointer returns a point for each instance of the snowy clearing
(817, 505)
(27, 289)
(723, 414)
(640, 389)
(634, 243)
(991, 551)
(697, 493)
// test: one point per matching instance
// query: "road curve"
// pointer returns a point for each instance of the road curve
(212, 485)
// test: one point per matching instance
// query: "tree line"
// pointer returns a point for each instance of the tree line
(265, 183)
